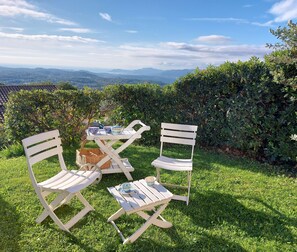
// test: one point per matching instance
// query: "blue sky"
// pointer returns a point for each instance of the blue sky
(164, 34)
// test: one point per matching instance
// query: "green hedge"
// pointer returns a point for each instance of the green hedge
(235, 105)
(31, 112)
(146, 102)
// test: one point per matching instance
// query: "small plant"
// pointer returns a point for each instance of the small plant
(3, 137)
(13, 150)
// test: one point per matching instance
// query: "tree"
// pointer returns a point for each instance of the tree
(288, 36)
(66, 86)
(283, 63)
(283, 60)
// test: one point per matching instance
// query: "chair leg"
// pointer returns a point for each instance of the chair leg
(178, 197)
(189, 186)
(49, 211)
(82, 213)
(158, 175)
(57, 202)
(53, 205)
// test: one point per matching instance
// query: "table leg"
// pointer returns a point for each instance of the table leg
(160, 223)
(116, 215)
(151, 220)
(113, 154)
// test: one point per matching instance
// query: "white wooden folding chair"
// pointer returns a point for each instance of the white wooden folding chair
(177, 134)
(66, 184)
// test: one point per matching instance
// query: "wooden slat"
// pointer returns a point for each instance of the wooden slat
(173, 164)
(161, 189)
(134, 200)
(74, 179)
(177, 140)
(120, 198)
(43, 146)
(58, 181)
(71, 181)
(146, 192)
(175, 126)
(141, 201)
(86, 182)
(53, 179)
(152, 190)
(45, 154)
(181, 134)
(114, 168)
(144, 198)
(40, 137)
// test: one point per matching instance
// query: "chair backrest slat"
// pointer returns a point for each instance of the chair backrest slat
(181, 134)
(182, 127)
(43, 146)
(40, 138)
(175, 140)
(44, 155)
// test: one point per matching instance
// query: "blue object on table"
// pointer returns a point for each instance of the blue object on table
(107, 129)
(126, 188)
(97, 124)
(93, 130)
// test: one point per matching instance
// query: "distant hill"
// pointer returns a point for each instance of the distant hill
(167, 76)
(17, 76)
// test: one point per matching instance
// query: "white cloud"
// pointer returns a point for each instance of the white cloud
(105, 16)
(221, 51)
(78, 52)
(76, 30)
(266, 24)
(20, 3)
(219, 20)
(284, 10)
(213, 39)
(16, 29)
(11, 8)
(47, 37)
(131, 31)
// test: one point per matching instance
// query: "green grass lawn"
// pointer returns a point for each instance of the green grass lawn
(236, 205)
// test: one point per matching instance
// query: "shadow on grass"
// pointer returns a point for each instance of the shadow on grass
(215, 209)
(203, 242)
(200, 242)
(72, 239)
(10, 228)
(210, 160)
(204, 160)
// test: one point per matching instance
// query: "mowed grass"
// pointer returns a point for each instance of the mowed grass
(236, 205)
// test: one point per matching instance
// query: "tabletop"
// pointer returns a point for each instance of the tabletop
(103, 135)
(141, 197)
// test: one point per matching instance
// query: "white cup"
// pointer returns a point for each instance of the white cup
(150, 180)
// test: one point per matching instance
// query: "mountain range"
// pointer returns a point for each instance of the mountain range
(81, 78)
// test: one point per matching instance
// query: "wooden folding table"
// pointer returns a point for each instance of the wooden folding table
(105, 140)
(142, 198)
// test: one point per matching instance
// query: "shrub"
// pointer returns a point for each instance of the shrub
(141, 101)
(31, 112)
(13, 150)
(3, 137)
(236, 105)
